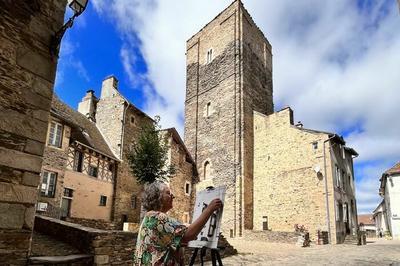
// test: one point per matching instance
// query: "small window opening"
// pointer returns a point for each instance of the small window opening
(208, 109)
(209, 55)
(265, 223)
(315, 145)
(103, 200)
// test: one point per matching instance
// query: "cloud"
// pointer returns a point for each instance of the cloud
(336, 63)
(68, 61)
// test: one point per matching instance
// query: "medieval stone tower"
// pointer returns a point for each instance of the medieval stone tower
(229, 75)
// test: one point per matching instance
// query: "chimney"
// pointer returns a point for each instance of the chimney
(88, 104)
(109, 87)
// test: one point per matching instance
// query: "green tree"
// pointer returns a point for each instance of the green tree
(149, 156)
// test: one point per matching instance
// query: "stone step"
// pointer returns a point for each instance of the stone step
(76, 259)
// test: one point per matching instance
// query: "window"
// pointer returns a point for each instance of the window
(133, 202)
(103, 200)
(345, 214)
(206, 170)
(93, 171)
(132, 119)
(337, 217)
(187, 188)
(343, 177)
(265, 223)
(339, 212)
(315, 145)
(209, 55)
(78, 158)
(111, 168)
(55, 134)
(208, 109)
(48, 186)
(337, 175)
(68, 192)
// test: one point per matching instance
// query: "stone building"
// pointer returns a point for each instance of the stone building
(290, 164)
(228, 101)
(27, 72)
(229, 75)
(85, 172)
(183, 183)
(78, 170)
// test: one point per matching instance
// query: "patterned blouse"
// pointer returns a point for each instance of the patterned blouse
(159, 239)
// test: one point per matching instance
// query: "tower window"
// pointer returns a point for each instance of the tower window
(209, 55)
(315, 145)
(208, 109)
(187, 188)
(206, 170)
(132, 120)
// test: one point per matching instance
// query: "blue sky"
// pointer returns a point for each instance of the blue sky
(336, 63)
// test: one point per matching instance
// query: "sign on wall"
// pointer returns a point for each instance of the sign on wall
(209, 235)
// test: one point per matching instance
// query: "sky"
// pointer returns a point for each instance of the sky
(335, 63)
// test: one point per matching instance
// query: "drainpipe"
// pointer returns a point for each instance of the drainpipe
(328, 221)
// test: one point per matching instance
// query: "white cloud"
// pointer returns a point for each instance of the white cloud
(67, 60)
(335, 63)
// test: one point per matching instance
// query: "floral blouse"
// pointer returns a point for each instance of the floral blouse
(159, 239)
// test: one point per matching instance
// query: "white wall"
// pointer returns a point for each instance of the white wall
(392, 198)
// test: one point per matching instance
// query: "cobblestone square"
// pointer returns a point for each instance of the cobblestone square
(376, 252)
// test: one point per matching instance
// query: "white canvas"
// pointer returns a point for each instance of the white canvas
(209, 235)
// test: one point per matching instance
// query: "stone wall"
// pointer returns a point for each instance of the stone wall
(108, 247)
(121, 123)
(55, 160)
(185, 174)
(27, 72)
(93, 223)
(220, 98)
(272, 236)
(287, 189)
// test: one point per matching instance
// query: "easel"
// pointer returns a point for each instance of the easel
(214, 256)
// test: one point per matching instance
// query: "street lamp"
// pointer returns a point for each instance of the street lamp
(78, 6)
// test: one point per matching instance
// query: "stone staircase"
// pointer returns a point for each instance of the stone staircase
(351, 240)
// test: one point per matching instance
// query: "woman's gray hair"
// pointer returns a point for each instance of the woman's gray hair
(151, 200)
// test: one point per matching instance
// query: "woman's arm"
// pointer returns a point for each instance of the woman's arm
(195, 228)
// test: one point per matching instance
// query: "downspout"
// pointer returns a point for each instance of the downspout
(328, 221)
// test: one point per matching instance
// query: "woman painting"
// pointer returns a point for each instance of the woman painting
(161, 236)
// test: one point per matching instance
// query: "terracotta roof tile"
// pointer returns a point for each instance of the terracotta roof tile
(365, 219)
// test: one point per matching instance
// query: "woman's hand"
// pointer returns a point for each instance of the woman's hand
(215, 204)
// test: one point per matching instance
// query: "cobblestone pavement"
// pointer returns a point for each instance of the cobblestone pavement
(376, 252)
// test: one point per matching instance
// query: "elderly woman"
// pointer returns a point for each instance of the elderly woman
(161, 236)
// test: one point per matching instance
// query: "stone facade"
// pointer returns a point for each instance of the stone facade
(107, 247)
(27, 72)
(229, 74)
(120, 122)
(289, 172)
(82, 164)
(183, 183)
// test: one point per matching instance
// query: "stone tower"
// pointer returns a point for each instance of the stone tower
(229, 75)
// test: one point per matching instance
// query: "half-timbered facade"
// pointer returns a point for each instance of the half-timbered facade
(79, 169)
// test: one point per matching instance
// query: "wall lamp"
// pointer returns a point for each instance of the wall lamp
(78, 6)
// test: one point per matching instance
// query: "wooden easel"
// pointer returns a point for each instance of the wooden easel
(214, 256)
